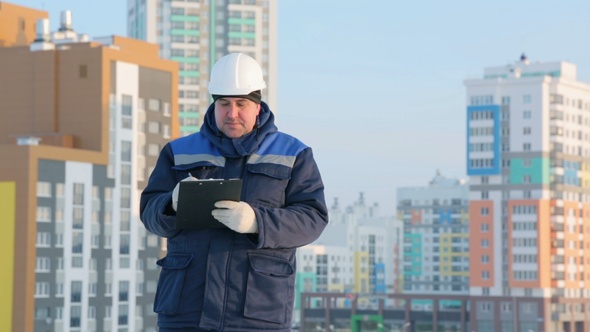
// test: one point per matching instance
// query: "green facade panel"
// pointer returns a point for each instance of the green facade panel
(184, 18)
(538, 170)
(247, 35)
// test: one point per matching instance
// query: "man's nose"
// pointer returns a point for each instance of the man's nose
(232, 111)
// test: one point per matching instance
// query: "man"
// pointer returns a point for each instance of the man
(238, 278)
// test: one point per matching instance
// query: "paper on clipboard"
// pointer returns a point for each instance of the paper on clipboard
(196, 200)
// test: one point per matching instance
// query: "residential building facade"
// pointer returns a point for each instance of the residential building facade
(528, 149)
(198, 32)
(436, 239)
(356, 254)
(82, 126)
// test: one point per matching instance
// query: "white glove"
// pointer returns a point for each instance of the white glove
(238, 216)
(175, 191)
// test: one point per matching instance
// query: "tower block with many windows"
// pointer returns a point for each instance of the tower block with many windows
(528, 159)
(82, 125)
(196, 33)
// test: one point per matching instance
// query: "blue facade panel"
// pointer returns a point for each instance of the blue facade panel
(495, 167)
(379, 278)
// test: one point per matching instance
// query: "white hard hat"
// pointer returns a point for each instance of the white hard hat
(236, 74)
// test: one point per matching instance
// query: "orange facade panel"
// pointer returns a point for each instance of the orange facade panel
(573, 245)
(481, 243)
(18, 24)
(416, 216)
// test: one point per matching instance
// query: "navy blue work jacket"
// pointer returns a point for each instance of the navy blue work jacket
(217, 279)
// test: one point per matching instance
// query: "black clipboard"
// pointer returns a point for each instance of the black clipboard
(196, 200)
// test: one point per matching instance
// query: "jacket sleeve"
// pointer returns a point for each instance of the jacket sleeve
(155, 208)
(304, 216)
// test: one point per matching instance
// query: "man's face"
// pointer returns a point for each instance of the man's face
(235, 117)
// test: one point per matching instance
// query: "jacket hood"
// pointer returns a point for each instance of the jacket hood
(241, 146)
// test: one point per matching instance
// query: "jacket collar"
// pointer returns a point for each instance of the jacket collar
(241, 146)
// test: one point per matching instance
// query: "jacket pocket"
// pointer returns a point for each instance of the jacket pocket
(269, 293)
(168, 295)
(266, 184)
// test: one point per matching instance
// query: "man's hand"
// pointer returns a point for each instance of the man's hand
(175, 192)
(238, 216)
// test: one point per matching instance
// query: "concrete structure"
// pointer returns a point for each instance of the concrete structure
(198, 32)
(82, 125)
(528, 149)
(436, 239)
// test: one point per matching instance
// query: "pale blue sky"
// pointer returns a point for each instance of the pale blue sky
(375, 87)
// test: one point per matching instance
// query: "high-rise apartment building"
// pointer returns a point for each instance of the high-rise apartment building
(528, 149)
(436, 239)
(82, 126)
(196, 33)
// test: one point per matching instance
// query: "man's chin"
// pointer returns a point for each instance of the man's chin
(233, 133)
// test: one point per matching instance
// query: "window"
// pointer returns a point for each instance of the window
(485, 211)
(83, 71)
(41, 289)
(153, 149)
(126, 111)
(77, 242)
(154, 104)
(43, 264)
(77, 217)
(485, 227)
(167, 109)
(59, 289)
(166, 131)
(125, 174)
(526, 114)
(76, 292)
(78, 198)
(92, 312)
(43, 189)
(75, 315)
(526, 99)
(43, 214)
(482, 100)
(125, 197)
(154, 127)
(123, 312)
(526, 130)
(526, 147)
(485, 243)
(125, 151)
(43, 240)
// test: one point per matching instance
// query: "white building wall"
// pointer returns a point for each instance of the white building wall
(77, 173)
(127, 84)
